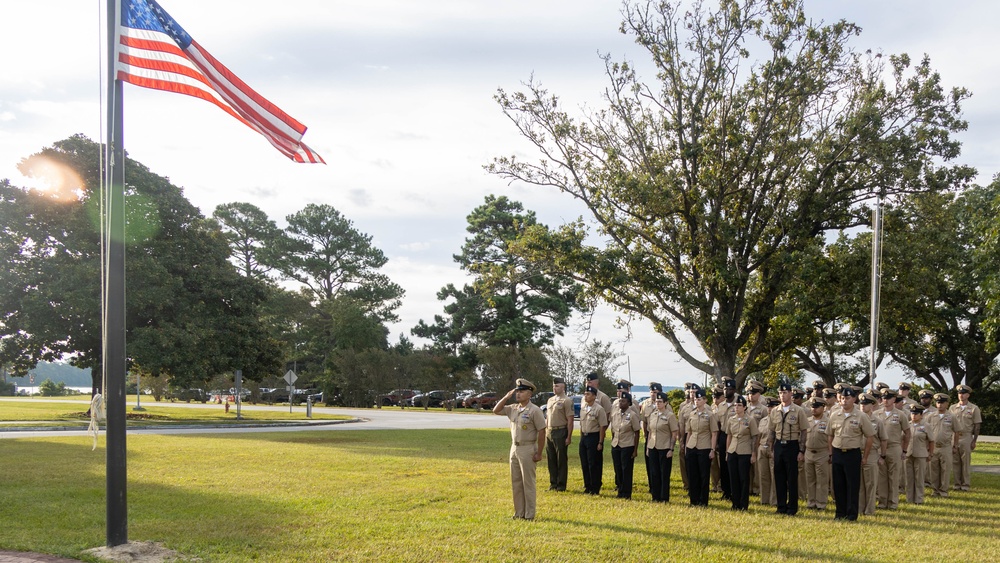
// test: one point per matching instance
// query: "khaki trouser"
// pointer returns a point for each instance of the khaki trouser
(869, 485)
(765, 476)
(716, 474)
(963, 462)
(916, 470)
(522, 479)
(888, 477)
(939, 470)
(817, 472)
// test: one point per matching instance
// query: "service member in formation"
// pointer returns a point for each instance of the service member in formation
(897, 428)
(942, 429)
(850, 433)
(868, 493)
(593, 425)
(602, 398)
(701, 432)
(968, 419)
(661, 435)
(817, 465)
(788, 445)
(926, 399)
(921, 447)
(904, 393)
(756, 408)
(718, 400)
(625, 428)
(646, 407)
(765, 459)
(724, 411)
(527, 432)
(559, 434)
(682, 413)
(741, 448)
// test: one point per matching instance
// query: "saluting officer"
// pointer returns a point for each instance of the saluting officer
(559, 434)
(593, 425)
(968, 419)
(701, 432)
(850, 433)
(787, 440)
(527, 432)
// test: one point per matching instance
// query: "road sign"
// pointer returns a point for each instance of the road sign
(291, 378)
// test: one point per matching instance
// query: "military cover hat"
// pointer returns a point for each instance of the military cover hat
(925, 393)
(829, 392)
(868, 399)
(941, 397)
(817, 403)
(904, 386)
(591, 389)
(558, 380)
(654, 386)
(623, 384)
(785, 386)
(848, 391)
(963, 389)
(917, 409)
(525, 385)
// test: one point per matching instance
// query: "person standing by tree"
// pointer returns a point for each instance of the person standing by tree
(625, 427)
(921, 447)
(682, 413)
(593, 425)
(850, 435)
(559, 434)
(701, 432)
(868, 491)
(788, 442)
(741, 447)
(661, 435)
(941, 423)
(897, 428)
(527, 432)
(968, 419)
(817, 464)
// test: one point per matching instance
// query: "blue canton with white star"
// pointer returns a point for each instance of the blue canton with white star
(147, 14)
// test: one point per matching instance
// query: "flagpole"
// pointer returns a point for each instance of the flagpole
(114, 298)
(876, 287)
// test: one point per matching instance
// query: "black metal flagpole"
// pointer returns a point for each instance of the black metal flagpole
(113, 299)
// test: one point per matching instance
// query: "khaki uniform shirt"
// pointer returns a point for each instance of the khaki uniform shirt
(592, 418)
(560, 411)
(741, 432)
(648, 405)
(764, 427)
(633, 407)
(896, 424)
(788, 426)
(907, 403)
(878, 437)
(724, 411)
(919, 439)
(849, 429)
(684, 411)
(699, 427)
(758, 412)
(525, 422)
(942, 428)
(966, 417)
(625, 428)
(816, 438)
(603, 400)
(661, 427)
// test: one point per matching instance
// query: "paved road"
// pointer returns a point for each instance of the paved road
(368, 419)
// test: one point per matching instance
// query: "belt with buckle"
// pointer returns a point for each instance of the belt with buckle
(558, 428)
(525, 443)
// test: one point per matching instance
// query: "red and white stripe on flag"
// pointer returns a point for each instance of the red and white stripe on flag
(153, 59)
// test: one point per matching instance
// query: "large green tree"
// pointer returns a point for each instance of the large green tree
(762, 131)
(189, 314)
(258, 246)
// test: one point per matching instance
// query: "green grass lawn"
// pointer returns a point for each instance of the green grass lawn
(428, 495)
(72, 413)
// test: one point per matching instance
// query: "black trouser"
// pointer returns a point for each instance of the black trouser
(846, 469)
(659, 474)
(699, 467)
(786, 475)
(592, 462)
(555, 452)
(720, 452)
(649, 463)
(739, 478)
(624, 464)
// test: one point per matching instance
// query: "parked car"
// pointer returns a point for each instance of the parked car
(188, 395)
(275, 395)
(577, 400)
(432, 399)
(398, 397)
(461, 396)
(484, 400)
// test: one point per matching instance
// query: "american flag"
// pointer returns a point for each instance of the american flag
(155, 52)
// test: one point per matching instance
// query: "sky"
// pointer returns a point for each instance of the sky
(398, 98)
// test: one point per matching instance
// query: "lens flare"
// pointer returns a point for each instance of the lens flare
(53, 178)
